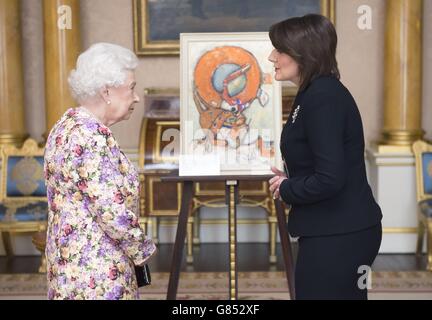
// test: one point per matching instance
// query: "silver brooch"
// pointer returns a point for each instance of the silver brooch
(296, 111)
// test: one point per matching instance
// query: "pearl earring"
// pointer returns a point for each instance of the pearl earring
(109, 101)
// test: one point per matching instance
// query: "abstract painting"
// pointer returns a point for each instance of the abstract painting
(230, 104)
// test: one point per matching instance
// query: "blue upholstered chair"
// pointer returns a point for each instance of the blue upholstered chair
(423, 161)
(23, 200)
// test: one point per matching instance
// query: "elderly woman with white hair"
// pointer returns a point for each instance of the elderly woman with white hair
(94, 240)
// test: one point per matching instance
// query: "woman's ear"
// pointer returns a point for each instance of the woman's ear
(105, 94)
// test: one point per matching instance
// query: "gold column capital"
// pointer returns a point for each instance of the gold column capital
(402, 75)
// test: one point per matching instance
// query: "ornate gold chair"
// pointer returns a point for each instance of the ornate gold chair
(23, 201)
(423, 161)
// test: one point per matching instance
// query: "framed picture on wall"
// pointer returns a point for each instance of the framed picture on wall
(158, 23)
(230, 105)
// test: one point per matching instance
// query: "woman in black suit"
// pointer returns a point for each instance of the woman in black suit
(333, 211)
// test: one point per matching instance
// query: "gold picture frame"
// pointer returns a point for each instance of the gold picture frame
(146, 46)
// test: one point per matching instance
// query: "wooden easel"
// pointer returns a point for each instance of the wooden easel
(231, 194)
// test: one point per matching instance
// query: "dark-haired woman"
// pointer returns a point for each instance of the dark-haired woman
(333, 212)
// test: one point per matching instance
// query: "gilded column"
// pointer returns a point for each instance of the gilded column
(62, 47)
(12, 121)
(402, 75)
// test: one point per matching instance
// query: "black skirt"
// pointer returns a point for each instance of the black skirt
(335, 267)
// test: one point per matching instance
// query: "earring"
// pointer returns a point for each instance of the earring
(109, 101)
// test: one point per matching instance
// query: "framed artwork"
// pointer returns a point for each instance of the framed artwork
(230, 105)
(158, 23)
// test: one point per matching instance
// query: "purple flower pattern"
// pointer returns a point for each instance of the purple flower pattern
(93, 234)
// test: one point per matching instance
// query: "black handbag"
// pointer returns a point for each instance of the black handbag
(143, 275)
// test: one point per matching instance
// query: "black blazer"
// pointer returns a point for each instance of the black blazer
(322, 144)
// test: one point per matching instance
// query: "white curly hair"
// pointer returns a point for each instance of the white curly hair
(103, 64)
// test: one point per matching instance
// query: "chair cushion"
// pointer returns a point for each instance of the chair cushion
(25, 177)
(426, 207)
(427, 172)
(33, 212)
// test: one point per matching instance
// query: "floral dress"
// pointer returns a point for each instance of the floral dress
(93, 236)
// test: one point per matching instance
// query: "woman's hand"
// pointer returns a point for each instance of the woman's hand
(276, 181)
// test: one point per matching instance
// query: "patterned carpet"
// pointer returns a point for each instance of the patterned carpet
(214, 286)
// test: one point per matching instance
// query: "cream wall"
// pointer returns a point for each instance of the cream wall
(360, 56)
(33, 62)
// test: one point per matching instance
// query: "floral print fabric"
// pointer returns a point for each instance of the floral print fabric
(93, 235)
